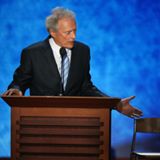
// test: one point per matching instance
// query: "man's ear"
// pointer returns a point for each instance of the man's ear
(52, 33)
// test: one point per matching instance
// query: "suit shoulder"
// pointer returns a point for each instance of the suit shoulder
(36, 49)
(35, 46)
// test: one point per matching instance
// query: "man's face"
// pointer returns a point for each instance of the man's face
(66, 33)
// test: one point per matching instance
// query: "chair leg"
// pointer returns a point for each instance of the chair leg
(132, 156)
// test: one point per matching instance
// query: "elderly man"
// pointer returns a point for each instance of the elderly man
(59, 65)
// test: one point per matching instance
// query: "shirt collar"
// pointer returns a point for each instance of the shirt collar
(56, 46)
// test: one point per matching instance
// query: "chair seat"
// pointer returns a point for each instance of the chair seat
(148, 154)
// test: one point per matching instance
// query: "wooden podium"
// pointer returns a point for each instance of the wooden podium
(60, 128)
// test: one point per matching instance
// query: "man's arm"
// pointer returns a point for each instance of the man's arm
(21, 77)
(88, 89)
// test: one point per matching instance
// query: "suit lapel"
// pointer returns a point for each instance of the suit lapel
(50, 58)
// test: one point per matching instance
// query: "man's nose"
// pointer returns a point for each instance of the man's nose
(73, 35)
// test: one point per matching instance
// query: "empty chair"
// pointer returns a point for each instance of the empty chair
(144, 125)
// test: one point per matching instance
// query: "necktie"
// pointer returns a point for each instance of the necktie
(64, 68)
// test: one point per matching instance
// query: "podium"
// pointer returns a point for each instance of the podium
(60, 128)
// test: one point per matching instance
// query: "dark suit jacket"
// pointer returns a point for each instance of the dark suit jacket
(38, 72)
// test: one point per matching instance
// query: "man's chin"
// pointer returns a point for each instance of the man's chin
(70, 45)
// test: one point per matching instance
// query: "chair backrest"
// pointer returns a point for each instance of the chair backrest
(145, 125)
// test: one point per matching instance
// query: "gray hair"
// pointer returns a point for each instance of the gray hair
(57, 14)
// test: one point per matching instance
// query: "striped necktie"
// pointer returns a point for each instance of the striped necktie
(64, 68)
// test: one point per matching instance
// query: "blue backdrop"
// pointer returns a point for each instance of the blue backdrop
(124, 37)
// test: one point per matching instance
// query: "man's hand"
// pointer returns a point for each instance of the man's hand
(125, 108)
(13, 92)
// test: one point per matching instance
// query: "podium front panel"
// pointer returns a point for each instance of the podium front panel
(60, 133)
